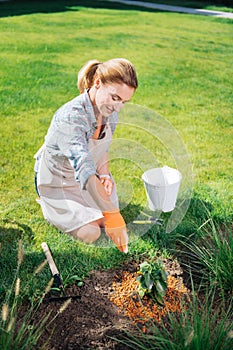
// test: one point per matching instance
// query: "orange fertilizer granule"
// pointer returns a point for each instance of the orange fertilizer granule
(125, 296)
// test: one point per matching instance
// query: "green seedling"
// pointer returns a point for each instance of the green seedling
(74, 279)
(152, 280)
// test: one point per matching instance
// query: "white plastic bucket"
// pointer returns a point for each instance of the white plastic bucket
(162, 187)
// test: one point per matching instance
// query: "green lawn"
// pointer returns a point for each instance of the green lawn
(184, 66)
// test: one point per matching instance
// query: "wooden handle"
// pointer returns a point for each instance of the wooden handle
(143, 222)
(50, 260)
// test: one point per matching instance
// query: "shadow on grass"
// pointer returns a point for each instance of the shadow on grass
(11, 231)
(72, 262)
(22, 7)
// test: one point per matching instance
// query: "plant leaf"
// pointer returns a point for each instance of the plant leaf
(141, 292)
(149, 281)
(160, 288)
(145, 267)
(164, 275)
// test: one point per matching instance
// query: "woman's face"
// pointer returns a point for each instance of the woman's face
(111, 97)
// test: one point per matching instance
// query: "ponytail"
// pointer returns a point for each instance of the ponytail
(87, 75)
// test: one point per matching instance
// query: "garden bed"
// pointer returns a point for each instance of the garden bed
(108, 307)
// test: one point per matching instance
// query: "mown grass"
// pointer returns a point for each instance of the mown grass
(185, 75)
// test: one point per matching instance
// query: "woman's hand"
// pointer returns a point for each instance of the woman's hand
(104, 175)
(119, 237)
(115, 228)
(107, 183)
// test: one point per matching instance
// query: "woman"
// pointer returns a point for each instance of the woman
(76, 190)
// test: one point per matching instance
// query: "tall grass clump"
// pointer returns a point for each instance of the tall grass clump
(18, 328)
(201, 326)
(209, 254)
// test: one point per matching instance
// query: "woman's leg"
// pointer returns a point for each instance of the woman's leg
(88, 233)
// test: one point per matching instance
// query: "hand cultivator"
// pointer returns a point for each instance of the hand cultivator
(56, 275)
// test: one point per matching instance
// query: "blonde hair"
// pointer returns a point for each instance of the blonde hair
(116, 70)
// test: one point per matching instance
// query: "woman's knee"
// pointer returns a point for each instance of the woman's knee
(88, 233)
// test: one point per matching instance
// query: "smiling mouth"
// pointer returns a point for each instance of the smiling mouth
(110, 110)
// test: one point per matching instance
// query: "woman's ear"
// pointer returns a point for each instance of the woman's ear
(97, 83)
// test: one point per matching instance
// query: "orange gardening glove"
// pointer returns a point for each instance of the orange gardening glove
(115, 228)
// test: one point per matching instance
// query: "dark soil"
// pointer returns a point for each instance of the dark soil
(89, 322)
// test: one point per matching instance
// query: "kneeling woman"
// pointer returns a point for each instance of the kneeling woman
(76, 190)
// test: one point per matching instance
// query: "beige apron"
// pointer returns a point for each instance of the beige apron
(64, 204)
